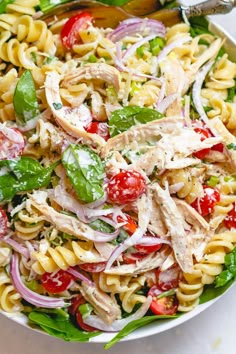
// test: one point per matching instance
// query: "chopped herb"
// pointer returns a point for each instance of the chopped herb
(92, 58)
(231, 146)
(57, 105)
(141, 51)
(213, 181)
(166, 293)
(156, 45)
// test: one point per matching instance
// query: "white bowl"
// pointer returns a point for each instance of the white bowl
(162, 325)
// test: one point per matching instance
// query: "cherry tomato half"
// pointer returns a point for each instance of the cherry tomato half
(56, 283)
(130, 225)
(98, 128)
(168, 279)
(73, 310)
(93, 267)
(3, 222)
(166, 305)
(201, 154)
(126, 187)
(12, 143)
(205, 205)
(70, 30)
(230, 219)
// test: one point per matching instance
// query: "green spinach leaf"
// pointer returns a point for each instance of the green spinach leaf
(25, 101)
(211, 292)
(24, 175)
(63, 329)
(85, 171)
(132, 326)
(123, 119)
(3, 5)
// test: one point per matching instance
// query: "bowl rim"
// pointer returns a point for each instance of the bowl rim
(163, 325)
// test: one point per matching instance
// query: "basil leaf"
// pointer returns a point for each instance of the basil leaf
(231, 146)
(60, 328)
(211, 292)
(132, 326)
(25, 101)
(223, 278)
(3, 5)
(123, 119)
(85, 171)
(25, 174)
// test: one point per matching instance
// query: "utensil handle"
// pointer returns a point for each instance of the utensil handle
(211, 7)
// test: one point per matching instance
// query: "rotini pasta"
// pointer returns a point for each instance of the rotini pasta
(117, 173)
(10, 300)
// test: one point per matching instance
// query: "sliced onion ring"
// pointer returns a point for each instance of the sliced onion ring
(136, 25)
(29, 295)
(117, 325)
(172, 46)
(17, 247)
(79, 275)
(151, 241)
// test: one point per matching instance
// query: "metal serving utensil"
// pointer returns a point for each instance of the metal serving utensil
(110, 16)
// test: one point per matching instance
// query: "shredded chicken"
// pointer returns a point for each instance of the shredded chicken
(171, 151)
(64, 223)
(199, 233)
(152, 261)
(104, 305)
(72, 120)
(100, 71)
(175, 223)
(142, 133)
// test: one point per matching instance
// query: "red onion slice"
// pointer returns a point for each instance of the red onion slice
(78, 275)
(172, 46)
(117, 325)
(133, 240)
(17, 247)
(137, 25)
(27, 294)
(196, 92)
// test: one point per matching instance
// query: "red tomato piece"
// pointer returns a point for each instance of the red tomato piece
(130, 225)
(12, 143)
(146, 249)
(70, 30)
(230, 220)
(3, 222)
(126, 187)
(99, 128)
(168, 279)
(167, 305)
(132, 258)
(201, 154)
(218, 147)
(93, 267)
(74, 310)
(205, 205)
(56, 283)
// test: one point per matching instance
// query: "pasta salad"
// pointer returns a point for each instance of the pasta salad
(117, 161)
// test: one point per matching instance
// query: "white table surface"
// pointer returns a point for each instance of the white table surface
(211, 332)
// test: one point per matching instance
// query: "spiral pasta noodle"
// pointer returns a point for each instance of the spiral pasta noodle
(62, 257)
(191, 286)
(10, 299)
(14, 52)
(30, 31)
(28, 227)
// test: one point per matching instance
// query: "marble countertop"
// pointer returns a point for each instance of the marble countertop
(211, 332)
